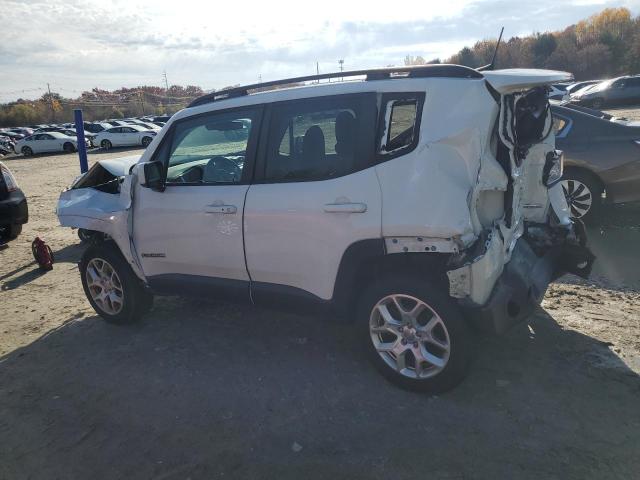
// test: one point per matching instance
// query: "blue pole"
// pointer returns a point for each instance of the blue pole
(82, 147)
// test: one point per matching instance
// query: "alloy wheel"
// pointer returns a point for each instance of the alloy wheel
(579, 197)
(105, 286)
(409, 336)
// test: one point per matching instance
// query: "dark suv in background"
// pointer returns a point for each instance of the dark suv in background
(13, 206)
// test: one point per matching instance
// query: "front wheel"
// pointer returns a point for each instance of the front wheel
(68, 147)
(106, 144)
(26, 151)
(146, 141)
(113, 290)
(414, 334)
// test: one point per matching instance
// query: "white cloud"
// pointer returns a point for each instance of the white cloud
(76, 45)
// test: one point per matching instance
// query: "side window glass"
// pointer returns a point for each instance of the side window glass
(399, 124)
(317, 140)
(210, 149)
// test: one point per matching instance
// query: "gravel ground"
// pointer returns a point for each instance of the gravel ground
(630, 114)
(211, 390)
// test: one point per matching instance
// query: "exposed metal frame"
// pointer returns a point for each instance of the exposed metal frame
(416, 71)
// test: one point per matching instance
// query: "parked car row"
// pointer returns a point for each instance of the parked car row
(620, 91)
(62, 137)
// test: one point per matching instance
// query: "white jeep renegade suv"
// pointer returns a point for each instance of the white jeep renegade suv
(423, 203)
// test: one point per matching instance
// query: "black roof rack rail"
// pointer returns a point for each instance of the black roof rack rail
(416, 71)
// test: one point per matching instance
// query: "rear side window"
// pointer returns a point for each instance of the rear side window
(399, 124)
(320, 138)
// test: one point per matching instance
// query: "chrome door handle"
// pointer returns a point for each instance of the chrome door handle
(345, 207)
(220, 209)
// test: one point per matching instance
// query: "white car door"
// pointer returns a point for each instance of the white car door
(316, 193)
(113, 135)
(130, 136)
(190, 235)
(44, 143)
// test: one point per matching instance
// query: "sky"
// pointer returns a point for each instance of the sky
(75, 45)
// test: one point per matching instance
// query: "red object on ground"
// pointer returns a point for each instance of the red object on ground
(42, 253)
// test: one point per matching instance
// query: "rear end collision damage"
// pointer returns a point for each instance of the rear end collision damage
(505, 273)
(471, 207)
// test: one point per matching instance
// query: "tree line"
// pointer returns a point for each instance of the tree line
(99, 104)
(604, 45)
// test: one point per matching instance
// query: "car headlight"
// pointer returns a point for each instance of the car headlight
(553, 168)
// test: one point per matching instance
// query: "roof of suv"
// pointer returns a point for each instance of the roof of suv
(420, 71)
(505, 81)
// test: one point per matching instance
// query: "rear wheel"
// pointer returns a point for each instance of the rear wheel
(68, 147)
(583, 193)
(414, 334)
(106, 144)
(26, 151)
(113, 290)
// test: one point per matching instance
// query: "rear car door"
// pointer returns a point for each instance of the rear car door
(315, 194)
(189, 236)
(43, 142)
(129, 136)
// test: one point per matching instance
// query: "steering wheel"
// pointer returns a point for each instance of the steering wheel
(221, 170)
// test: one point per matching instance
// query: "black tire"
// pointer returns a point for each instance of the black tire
(106, 145)
(146, 141)
(68, 147)
(459, 334)
(577, 196)
(597, 103)
(86, 236)
(26, 151)
(135, 299)
(11, 232)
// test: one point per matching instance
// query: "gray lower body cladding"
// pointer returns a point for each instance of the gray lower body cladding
(523, 283)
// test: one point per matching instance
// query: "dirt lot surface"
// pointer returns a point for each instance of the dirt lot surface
(208, 390)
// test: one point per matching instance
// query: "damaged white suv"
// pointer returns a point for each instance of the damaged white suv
(421, 202)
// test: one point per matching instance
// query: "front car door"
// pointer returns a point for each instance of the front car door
(315, 194)
(189, 237)
(114, 135)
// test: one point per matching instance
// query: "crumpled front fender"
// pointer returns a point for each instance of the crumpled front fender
(99, 211)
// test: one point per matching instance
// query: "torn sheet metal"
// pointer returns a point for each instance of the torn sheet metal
(109, 213)
(475, 279)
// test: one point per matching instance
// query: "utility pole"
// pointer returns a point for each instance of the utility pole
(166, 83)
(317, 71)
(53, 112)
(341, 63)
(141, 96)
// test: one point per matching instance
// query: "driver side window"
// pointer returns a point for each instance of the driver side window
(211, 148)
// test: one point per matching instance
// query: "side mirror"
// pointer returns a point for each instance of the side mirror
(150, 175)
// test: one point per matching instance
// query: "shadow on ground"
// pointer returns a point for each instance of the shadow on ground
(30, 271)
(201, 390)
